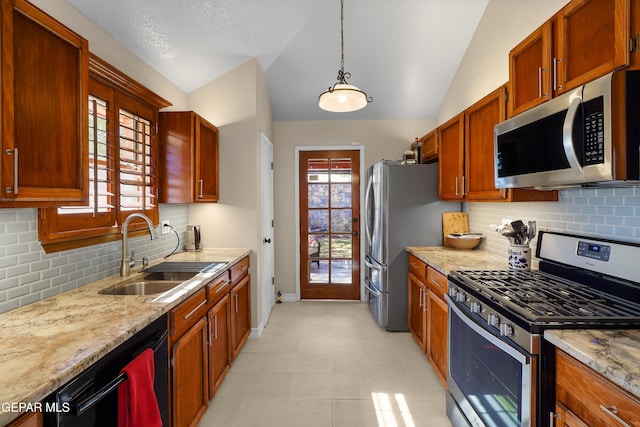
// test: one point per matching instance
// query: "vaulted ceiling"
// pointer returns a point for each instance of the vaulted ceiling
(403, 53)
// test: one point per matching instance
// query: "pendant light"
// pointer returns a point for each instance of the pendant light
(343, 97)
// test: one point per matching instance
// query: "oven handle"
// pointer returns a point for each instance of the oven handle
(88, 402)
(515, 354)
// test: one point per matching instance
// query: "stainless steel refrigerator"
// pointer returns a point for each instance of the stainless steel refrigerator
(401, 209)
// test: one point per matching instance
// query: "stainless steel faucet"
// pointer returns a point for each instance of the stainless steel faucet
(127, 262)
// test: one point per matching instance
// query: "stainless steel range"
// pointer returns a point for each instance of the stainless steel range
(501, 371)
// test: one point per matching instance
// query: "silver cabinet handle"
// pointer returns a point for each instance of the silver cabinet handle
(555, 74)
(189, 314)
(13, 153)
(424, 302)
(420, 298)
(456, 185)
(463, 186)
(613, 411)
(215, 325)
(539, 82)
(236, 303)
(201, 182)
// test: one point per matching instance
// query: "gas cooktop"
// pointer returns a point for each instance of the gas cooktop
(541, 297)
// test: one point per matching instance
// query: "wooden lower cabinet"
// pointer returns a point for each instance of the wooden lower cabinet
(189, 373)
(437, 328)
(240, 315)
(428, 313)
(586, 398)
(31, 419)
(219, 349)
(417, 311)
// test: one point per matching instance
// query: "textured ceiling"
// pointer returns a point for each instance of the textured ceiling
(403, 53)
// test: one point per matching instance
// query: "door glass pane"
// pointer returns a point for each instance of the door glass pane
(318, 195)
(317, 170)
(318, 220)
(341, 246)
(340, 195)
(340, 170)
(341, 271)
(341, 221)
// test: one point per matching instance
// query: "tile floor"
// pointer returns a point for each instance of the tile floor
(327, 364)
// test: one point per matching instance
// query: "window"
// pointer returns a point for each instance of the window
(122, 165)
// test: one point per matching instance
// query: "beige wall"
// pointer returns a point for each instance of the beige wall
(380, 138)
(236, 103)
(485, 65)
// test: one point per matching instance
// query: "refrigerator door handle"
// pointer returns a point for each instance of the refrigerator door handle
(369, 218)
(368, 263)
(370, 288)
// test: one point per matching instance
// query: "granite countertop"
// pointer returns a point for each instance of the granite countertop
(449, 259)
(46, 344)
(612, 353)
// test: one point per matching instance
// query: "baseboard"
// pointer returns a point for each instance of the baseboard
(289, 298)
(256, 332)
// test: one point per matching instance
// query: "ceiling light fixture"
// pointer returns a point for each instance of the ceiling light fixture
(343, 97)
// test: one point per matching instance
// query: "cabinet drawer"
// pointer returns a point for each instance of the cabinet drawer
(218, 288)
(589, 395)
(417, 268)
(437, 282)
(187, 313)
(239, 269)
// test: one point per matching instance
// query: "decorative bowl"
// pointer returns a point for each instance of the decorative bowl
(463, 241)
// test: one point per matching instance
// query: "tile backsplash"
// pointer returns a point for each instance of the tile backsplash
(611, 213)
(28, 274)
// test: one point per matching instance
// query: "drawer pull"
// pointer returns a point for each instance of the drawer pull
(436, 282)
(414, 265)
(189, 314)
(613, 411)
(244, 268)
(222, 285)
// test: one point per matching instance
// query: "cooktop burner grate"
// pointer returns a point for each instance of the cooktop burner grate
(541, 297)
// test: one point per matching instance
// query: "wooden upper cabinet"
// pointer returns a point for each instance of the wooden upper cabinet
(428, 147)
(480, 119)
(188, 158)
(45, 77)
(451, 158)
(592, 40)
(530, 70)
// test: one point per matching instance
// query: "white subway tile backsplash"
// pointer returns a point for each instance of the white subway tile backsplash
(28, 275)
(612, 213)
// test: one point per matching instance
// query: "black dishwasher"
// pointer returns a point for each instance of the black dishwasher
(91, 399)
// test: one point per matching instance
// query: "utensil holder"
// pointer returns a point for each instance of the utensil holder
(519, 257)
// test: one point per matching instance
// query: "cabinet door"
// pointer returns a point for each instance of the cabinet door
(240, 315)
(219, 353)
(428, 147)
(417, 310)
(593, 40)
(566, 418)
(45, 78)
(437, 312)
(206, 161)
(32, 419)
(530, 70)
(189, 376)
(479, 151)
(451, 159)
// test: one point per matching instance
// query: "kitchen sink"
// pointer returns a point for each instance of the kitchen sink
(170, 275)
(143, 287)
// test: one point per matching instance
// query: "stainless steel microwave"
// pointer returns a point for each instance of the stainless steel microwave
(588, 136)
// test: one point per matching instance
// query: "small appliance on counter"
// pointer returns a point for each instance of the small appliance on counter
(193, 240)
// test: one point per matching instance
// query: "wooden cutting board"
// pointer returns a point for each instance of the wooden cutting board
(454, 222)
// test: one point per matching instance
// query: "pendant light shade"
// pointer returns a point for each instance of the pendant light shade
(343, 97)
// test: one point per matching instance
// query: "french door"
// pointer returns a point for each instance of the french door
(329, 224)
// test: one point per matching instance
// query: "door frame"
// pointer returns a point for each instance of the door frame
(363, 175)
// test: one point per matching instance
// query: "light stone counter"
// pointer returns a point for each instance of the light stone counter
(46, 344)
(613, 353)
(450, 259)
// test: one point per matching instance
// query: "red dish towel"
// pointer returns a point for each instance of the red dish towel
(137, 403)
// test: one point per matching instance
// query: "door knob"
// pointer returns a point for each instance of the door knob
(267, 240)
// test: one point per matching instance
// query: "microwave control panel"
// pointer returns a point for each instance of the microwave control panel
(593, 133)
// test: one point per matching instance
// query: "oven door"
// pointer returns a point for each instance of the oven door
(490, 380)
